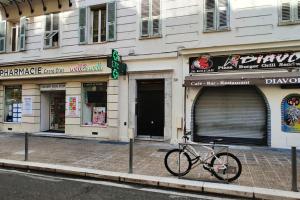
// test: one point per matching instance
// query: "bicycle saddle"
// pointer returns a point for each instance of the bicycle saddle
(217, 140)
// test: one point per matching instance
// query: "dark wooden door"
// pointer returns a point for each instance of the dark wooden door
(150, 108)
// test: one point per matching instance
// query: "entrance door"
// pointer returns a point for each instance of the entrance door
(53, 111)
(150, 108)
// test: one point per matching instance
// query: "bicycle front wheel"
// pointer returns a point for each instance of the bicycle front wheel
(226, 166)
(178, 162)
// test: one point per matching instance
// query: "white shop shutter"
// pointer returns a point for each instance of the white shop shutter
(83, 25)
(111, 21)
(230, 112)
(2, 36)
(22, 36)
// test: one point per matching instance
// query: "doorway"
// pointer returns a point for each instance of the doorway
(53, 111)
(150, 108)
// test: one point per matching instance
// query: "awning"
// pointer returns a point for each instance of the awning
(257, 78)
(20, 4)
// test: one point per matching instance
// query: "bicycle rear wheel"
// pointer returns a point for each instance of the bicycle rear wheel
(226, 166)
(178, 162)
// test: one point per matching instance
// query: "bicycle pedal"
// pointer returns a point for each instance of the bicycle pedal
(206, 167)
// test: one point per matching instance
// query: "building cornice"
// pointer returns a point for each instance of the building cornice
(53, 60)
(293, 45)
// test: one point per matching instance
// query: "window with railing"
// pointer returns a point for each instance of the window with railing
(97, 23)
(51, 37)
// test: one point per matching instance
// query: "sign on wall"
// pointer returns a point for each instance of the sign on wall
(290, 109)
(55, 69)
(207, 63)
(52, 87)
(27, 105)
(72, 106)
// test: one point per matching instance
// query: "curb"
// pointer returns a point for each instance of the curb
(164, 182)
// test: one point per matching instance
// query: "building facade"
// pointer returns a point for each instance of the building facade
(217, 68)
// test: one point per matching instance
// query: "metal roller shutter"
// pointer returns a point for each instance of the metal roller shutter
(235, 113)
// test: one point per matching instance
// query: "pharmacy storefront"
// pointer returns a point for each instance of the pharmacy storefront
(74, 97)
(249, 99)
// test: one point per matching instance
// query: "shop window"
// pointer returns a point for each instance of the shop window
(150, 22)
(216, 15)
(97, 23)
(94, 106)
(290, 111)
(51, 37)
(289, 12)
(13, 104)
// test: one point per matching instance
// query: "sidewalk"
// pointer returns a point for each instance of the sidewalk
(262, 167)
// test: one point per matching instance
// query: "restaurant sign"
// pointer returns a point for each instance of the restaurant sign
(245, 81)
(207, 63)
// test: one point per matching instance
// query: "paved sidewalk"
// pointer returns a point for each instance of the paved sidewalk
(262, 167)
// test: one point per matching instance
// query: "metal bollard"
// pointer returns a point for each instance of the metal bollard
(294, 170)
(26, 146)
(130, 155)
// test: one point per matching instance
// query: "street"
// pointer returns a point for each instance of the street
(16, 185)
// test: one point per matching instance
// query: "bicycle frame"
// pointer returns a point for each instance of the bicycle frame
(195, 156)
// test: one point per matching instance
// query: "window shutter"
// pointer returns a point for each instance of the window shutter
(145, 20)
(156, 27)
(111, 21)
(223, 13)
(48, 28)
(298, 9)
(210, 14)
(22, 35)
(2, 36)
(55, 25)
(286, 14)
(82, 25)
(48, 23)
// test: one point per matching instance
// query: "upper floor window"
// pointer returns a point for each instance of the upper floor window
(150, 23)
(289, 11)
(97, 23)
(13, 35)
(216, 15)
(51, 37)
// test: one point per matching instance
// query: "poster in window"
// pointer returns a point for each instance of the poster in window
(72, 106)
(291, 114)
(27, 105)
(99, 114)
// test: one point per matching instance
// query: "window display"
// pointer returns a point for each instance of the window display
(13, 104)
(94, 106)
(290, 111)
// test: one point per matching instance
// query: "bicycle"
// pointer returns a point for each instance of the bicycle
(223, 165)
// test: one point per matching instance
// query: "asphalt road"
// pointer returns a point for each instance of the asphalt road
(15, 185)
